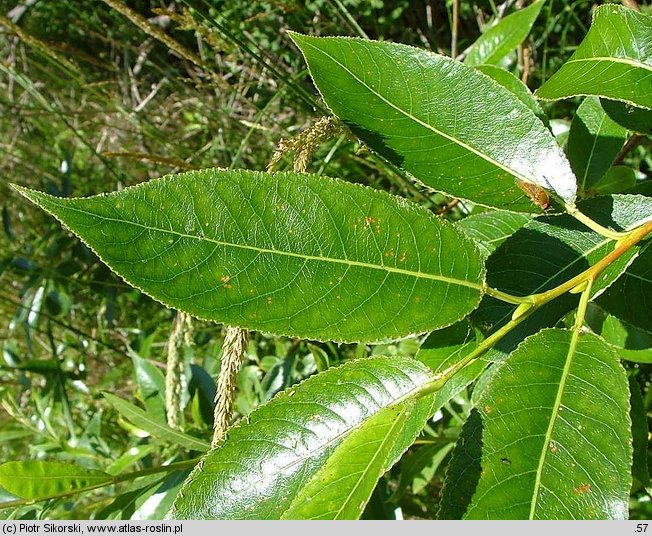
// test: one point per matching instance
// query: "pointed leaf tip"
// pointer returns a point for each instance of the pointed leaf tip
(282, 253)
(427, 114)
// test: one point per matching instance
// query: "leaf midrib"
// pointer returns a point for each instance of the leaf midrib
(572, 347)
(398, 422)
(626, 61)
(340, 436)
(305, 257)
(592, 151)
(428, 126)
(81, 476)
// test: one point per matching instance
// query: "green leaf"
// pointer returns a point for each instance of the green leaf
(154, 427)
(285, 253)
(638, 416)
(629, 297)
(419, 468)
(152, 386)
(463, 470)
(556, 438)
(502, 38)
(5, 496)
(593, 143)
(202, 388)
(492, 228)
(130, 457)
(643, 187)
(278, 378)
(616, 180)
(36, 479)
(344, 484)
(548, 251)
(631, 343)
(124, 505)
(613, 61)
(322, 362)
(560, 129)
(267, 460)
(436, 118)
(445, 347)
(158, 503)
(10, 435)
(631, 117)
(517, 87)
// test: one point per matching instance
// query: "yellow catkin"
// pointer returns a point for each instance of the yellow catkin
(180, 333)
(306, 143)
(233, 353)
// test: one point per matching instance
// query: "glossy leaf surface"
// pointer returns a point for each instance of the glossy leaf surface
(503, 38)
(593, 143)
(285, 253)
(343, 486)
(268, 459)
(152, 386)
(554, 427)
(37, 479)
(436, 118)
(613, 61)
(492, 228)
(516, 87)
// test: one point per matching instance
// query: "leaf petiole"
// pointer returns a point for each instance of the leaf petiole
(440, 379)
(629, 240)
(529, 304)
(509, 298)
(593, 225)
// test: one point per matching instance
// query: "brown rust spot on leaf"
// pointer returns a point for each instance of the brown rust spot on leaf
(369, 221)
(583, 488)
